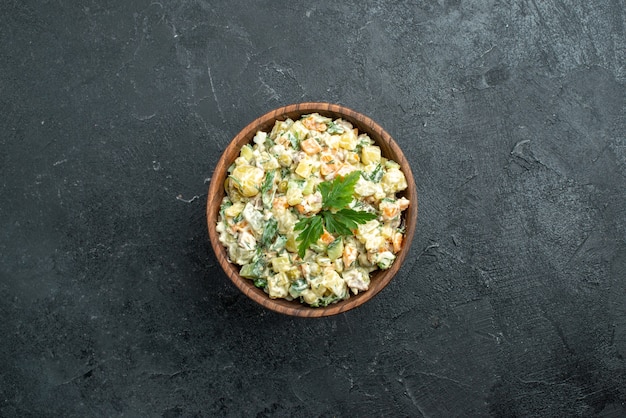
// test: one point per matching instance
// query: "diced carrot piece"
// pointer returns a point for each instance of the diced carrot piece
(397, 242)
(238, 227)
(313, 125)
(390, 212)
(280, 202)
(349, 255)
(327, 238)
(310, 146)
(328, 164)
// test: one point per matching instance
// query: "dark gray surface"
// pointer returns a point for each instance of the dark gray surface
(113, 115)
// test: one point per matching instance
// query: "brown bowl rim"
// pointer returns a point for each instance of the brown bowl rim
(216, 193)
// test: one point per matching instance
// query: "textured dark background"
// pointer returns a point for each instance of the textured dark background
(114, 113)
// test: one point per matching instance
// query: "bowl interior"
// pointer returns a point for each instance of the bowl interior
(389, 149)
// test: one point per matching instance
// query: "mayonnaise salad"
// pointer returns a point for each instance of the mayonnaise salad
(274, 183)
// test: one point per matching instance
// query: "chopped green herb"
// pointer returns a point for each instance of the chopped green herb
(295, 141)
(377, 174)
(297, 287)
(260, 283)
(225, 205)
(269, 232)
(332, 128)
(238, 218)
(235, 180)
(268, 182)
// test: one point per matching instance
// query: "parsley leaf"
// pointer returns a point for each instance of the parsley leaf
(312, 230)
(350, 219)
(338, 193)
(334, 217)
(333, 225)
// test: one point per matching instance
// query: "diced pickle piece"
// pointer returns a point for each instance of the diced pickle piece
(335, 249)
(281, 264)
(246, 152)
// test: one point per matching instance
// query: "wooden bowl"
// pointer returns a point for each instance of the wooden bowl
(389, 149)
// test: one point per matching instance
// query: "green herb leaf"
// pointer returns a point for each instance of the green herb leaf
(269, 232)
(344, 221)
(268, 182)
(333, 225)
(238, 218)
(260, 283)
(335, 217)
(295, 141)
(351, 218)
(333, 128)
(338, 193)
(377, 174)
(312, 230)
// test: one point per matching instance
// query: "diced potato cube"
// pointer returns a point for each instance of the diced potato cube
(309, 296)
(365, 187)
(370, 154)
(387, 232)
(268, 161)
(374, 242)
(305, 167)
(294, 196)
(278, 285)
(299, 130)
(248, 179)
(353, 158)
(348, 140)
(286, 221)
(260, 138)
(280, 127)
(234, 210)
(292, 243)
(333, 282)
(317, 286)
(367, 229)
(393, 181)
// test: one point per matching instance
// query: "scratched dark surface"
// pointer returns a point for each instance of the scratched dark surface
(513, 117)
